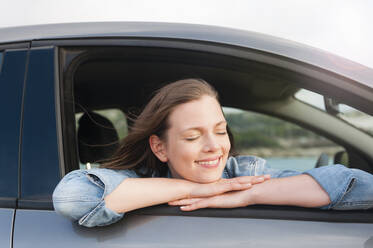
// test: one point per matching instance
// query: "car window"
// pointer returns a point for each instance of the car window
(39, 167)
(11, 87)
(358, 119)
(284, 145)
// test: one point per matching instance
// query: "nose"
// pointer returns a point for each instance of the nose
(211, 144)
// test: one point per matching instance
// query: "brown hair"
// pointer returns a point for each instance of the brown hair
(134, 151)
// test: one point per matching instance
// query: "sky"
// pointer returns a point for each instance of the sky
(342, 27)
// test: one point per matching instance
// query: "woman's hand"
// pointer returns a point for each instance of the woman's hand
(226, 185)
(300, 190)
(225, 193)
(241, 198)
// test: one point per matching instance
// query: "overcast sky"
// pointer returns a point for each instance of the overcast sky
(343, 27)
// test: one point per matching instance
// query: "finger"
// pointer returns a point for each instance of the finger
(260, 179)
(197, 205)
(235, 184)
(227, 200)
(249, 179)
(220, 187)
(184, 201)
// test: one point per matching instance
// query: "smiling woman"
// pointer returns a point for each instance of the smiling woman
(197, 147)
(177, 153)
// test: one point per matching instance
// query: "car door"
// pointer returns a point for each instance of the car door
(12, 70)
(161, 226)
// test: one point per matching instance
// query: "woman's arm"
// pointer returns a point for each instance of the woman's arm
(134, 193)
(300, 190)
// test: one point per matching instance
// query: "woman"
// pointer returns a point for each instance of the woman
(178, 153)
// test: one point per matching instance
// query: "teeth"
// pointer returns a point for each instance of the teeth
(208, 162)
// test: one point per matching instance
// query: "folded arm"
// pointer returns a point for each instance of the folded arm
(300, 190)
(134, 193)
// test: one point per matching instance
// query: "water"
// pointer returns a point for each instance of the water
(292, 163)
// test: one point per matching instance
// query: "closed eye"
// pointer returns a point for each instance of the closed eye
(222, 133)
(191, 138)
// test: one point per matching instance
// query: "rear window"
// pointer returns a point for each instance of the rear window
(11, 87)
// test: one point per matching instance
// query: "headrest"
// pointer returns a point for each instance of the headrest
(97, 138)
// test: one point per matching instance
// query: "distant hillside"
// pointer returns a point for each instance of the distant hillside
(252, 130)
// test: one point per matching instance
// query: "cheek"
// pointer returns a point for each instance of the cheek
(188, 151)
(226, 145)
(180, 152)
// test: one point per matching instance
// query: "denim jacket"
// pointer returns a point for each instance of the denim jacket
(80, 194)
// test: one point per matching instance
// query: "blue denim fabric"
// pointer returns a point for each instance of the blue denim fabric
(80, 194)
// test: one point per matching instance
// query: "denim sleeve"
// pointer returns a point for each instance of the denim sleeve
(80, 195)
(253, 166)
(347, 188)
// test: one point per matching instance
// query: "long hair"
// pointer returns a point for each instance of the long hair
(134, 151)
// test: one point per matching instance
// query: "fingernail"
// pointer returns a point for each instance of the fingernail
(260, 178)
(183, 207)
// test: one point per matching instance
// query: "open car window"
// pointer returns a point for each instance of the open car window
(283, 144)
(102, 79)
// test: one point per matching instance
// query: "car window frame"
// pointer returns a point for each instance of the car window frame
(271, 212)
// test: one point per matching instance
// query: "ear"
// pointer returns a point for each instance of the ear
(158, 148)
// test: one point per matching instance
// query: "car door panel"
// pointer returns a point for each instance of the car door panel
(182, 231)
(6, 222)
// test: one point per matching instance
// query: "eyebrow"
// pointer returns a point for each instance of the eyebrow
(199, 128)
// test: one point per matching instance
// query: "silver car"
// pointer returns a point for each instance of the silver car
(51, 75)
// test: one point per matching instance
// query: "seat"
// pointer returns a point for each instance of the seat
(97, 138)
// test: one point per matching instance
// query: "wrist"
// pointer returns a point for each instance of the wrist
(187, 188)
(252, 196)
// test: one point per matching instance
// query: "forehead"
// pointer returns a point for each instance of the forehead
(203, 112)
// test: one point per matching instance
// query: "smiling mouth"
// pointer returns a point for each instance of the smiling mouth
(209, 163)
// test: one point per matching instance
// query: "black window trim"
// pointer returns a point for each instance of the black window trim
(8, 202)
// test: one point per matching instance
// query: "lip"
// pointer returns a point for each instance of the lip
(209, 166)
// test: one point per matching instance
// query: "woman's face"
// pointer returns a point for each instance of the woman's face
(197, 142)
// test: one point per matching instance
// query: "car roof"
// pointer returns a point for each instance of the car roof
(227, 36)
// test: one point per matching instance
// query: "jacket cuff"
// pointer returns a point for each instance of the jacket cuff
(100, 212)
(100, 215)
(334, 179)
